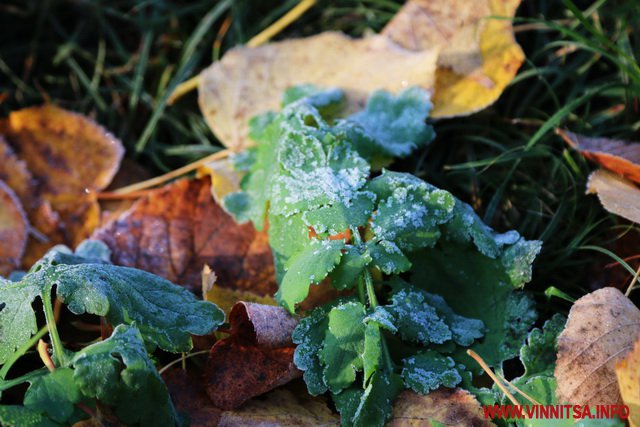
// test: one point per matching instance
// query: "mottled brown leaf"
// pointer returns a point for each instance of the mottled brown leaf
(616, 194)
(628, 374)
(69, 159)
(255, 358)
(478, 54)
(446, 406)
(282, 408)
(13, 230)
(177, 229)
(620, 157)
(601, 329)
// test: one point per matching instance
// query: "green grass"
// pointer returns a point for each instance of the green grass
(118, 61)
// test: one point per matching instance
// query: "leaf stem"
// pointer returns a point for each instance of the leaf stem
(7, 384)
(49, 316)
(21, 351)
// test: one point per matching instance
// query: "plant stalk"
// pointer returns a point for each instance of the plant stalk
(21, 351)
(56, 342)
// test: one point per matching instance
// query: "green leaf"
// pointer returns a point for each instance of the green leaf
(341, 354)
(477, 287)
(394, 125)
(339, 217)
(409, 210)
(372, 406)
(329, 102)
(428, 370)
(388, 257)
(287, 236)
(309, 336)
(54, 394)
(17, 319)
(118, 371)
(372, 353)
(350, 268)
(416, 320)
(20, 416)
(463, 329)
(309, 266)
(383, 318)
(539, 354)
(314, 173)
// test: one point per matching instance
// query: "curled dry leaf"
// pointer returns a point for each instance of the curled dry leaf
(13, 230)
(628, 374)
(601, 329)
(620, 157)
(478, 55)
(255, 358)
(282, 408)
(248, 81)
(68, 158)
(445, 406)
(617, 195)
(175, 230)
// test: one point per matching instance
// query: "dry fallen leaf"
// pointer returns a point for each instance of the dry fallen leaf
(620, 157)
(282, 408)
(628, 374)
(446, 406)
(617, 195)
(601, 329)
(70, 158)
(177, 229)
(459, 50)
(249, 81)
(13, 230)
(255, 358)
(478, 56)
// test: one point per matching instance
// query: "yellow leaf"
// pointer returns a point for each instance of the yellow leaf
(618, 195)
(445, 406)
(249, 81)
(478, 56)
(224, 178)
(628, 374)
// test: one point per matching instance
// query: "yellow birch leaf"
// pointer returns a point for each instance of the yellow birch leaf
(478, 56)
(224, 178)
(628, 375)
(249, 81)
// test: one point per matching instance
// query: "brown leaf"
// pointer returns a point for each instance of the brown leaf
(451, 407)
(13, 230)
(628, 375)
(178, 229)
(620, 157)
(600, 331)
(249, 81)
(478, 55)
(282, 408)
(188, 396)
(616, 194)
(69, 159)
(255, 358)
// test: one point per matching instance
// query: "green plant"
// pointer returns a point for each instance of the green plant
(309, 177)
(115, 376)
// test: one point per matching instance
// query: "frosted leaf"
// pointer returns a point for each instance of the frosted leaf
(463, 329)
(416, 320)
(428, 370)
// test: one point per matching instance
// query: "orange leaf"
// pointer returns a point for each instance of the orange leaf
(177, 229)
(13, 230)
(620, 157)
